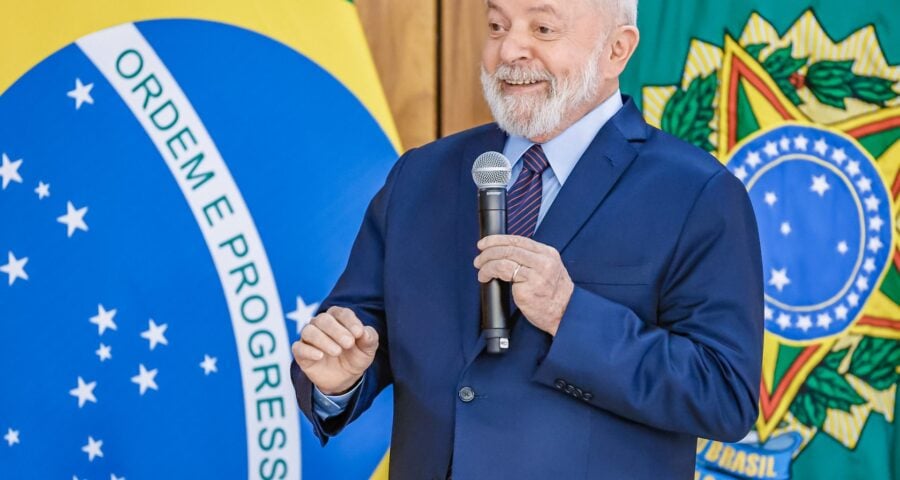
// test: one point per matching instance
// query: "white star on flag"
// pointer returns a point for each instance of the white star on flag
(155, 334)
(104, 352)
(93, 448)
(771, 198)
(784, 321)
(303, 313)
(11, 437)
(146, 379)
(42, 190)
(864, 184)
(875, 244)
(853, 299)
(771, 149)
(779, 279)
(801, 142)
(786, 229)
(841, 312)
(208, 364)
(853, 168)
(821, 147)
(15, 268)
(842, 248)
(10, 171)
(804, 323)
(112, 476)
(862, 283)
(872, 203)
(84, 392)
(81, 94)
(820, 185)
(823, 320)
(740, 173)
(74, 219)
(875, 223)
(869, 265)
(839, 156)
(753, 159)
(768, 313)
(785, 143)
(104, 319)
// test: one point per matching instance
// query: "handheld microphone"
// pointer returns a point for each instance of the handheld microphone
(491, 173)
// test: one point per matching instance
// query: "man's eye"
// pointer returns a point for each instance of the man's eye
(545, 30)
(495, 27)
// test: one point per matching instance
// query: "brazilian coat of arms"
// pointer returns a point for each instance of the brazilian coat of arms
(811, 126)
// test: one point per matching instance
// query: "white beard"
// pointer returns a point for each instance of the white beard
(535, 115)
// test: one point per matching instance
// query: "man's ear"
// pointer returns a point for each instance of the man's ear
(622, 43)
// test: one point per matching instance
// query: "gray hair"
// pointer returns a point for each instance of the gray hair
(625, 11)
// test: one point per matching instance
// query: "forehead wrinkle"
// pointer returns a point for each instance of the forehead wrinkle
(545, 8)
(493, 6)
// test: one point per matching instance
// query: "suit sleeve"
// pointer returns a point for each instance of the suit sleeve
(698, 370)
(360, 288)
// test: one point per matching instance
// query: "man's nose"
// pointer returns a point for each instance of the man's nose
(516, 47)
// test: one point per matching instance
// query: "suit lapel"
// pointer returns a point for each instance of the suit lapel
(596, 173)
(469, 314)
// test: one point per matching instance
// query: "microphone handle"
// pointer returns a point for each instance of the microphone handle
(494, 294)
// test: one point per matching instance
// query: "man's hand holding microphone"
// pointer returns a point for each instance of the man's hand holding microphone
(335, 349)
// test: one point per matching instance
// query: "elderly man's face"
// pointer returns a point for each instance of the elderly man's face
(543, 63)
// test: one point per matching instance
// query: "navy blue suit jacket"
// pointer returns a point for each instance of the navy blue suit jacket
(661, 342)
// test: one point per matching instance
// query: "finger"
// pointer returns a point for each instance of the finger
(363, 351)
(516, 254)
(502, 270)
(306, 354)
(348, 319)
(368, 342)
(315, 337)
(334, 329)
(513, 241)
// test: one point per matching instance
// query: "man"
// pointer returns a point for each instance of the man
(635, 270)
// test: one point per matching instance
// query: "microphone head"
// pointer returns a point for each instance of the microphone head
(491, 170)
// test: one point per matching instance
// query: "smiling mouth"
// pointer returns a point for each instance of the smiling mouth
(530, 86)
(521, 83)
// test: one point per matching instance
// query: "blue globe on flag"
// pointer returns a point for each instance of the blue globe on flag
(801, 178)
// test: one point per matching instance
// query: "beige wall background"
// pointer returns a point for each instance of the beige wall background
(428, 54)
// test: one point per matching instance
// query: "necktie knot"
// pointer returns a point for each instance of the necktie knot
(535, 160)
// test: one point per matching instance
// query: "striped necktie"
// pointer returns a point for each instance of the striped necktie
(524, 199)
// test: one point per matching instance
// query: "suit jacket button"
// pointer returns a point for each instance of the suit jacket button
(587, 396)
(570, 389)
(559, 384)
(578, 393)
(466, 394)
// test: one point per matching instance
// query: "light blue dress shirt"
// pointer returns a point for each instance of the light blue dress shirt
(562, 153)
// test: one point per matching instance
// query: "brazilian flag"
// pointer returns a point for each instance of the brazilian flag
(180, 186)
(801, 101)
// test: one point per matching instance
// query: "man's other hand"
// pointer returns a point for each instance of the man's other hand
(335, 349)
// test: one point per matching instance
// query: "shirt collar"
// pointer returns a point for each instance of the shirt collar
(564, 150)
